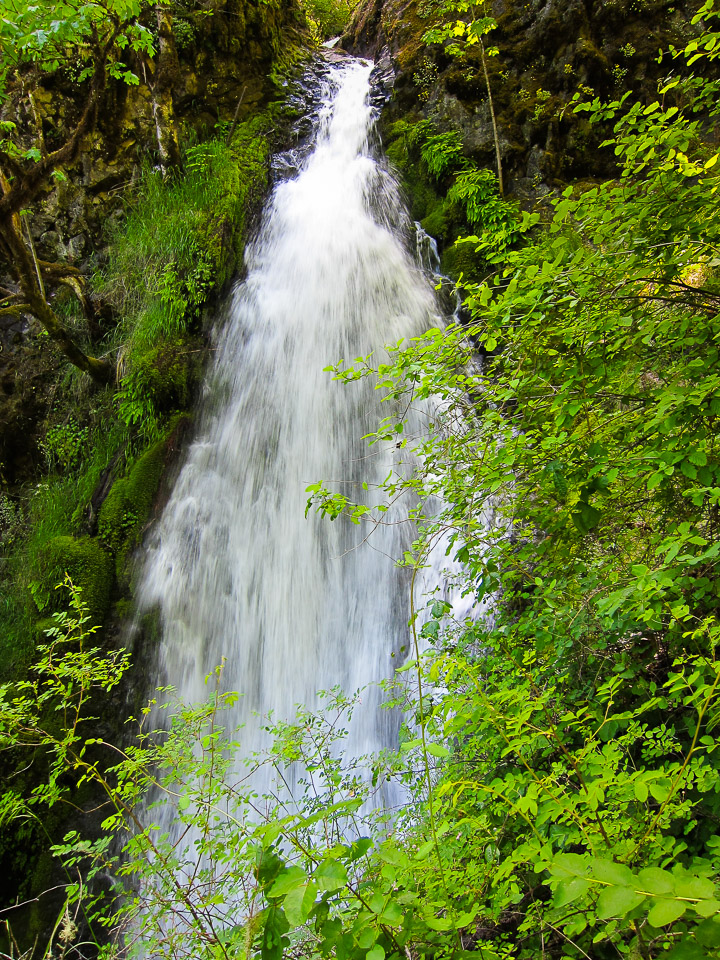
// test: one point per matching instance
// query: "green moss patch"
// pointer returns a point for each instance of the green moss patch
(127, 507)
(439, 222)
(88, 565)
(461, 259)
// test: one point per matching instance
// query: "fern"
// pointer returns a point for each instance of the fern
(441, 153)
(476, 192)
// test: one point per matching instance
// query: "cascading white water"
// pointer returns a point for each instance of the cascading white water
(296, 605)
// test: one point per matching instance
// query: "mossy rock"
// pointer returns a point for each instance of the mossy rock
(40, 627)
(422, 195)
(127, 507)
(423, 198)
(166, 374)
(88, 565)
(397, 153)
(461, 258)
(439, 223)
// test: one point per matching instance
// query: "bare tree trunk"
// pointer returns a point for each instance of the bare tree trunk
(30, 178)
(492, 118)
(28, 274)
(167, 71)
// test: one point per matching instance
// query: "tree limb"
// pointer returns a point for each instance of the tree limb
(17, 309)
(30, 181)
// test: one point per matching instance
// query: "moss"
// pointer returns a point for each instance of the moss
(167, 373)
(397, 153)
(89, 566)
(41, 626)
(461, 258)
(126, 509)
(439, 223)
(244, 187)
(403, 150)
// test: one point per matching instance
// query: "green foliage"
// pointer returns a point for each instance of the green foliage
(64, 444)
(51, 36)
(441, 153)
(425, 77)
(472, 199)
(56, 507)
(328, 18)
(9, 521)
(285, 870)
(460, 25)
(86, 563)
(560, 755)
(182, 239)
(126, 509)
(475, 191)
(575, 813)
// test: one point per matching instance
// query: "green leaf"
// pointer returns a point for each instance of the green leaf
(436, 750)
(640, 790)
(660, 790)
(586, 517)
(330, 875)
(375, 953)
(392, 915)
(708, 933)
(686, 950)
(273, 941)
(656, 881)
(665, 912)
(570, 865)
(359, 848)
(568, 891)
(268, 865)
(617, 901)
(696, 888)
(708, 908)
(299, 902)
(610, 872)
(289, 879)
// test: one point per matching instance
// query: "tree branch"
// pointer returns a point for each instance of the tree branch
(17, 309)
(30, 181)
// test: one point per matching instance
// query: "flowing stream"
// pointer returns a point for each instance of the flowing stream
(297, 604)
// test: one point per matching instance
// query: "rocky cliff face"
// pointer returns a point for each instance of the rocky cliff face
(548, 50)
(226, 54)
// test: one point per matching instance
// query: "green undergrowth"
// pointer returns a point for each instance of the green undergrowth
(451, 196)
(559, 763)
(565, 747)
(182, 241)
(126, 509)
(57, 507)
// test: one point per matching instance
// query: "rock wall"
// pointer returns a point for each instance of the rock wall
(226, 56)
(548, 51)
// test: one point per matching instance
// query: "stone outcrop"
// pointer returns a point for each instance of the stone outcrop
(548, 50)
(225, 57)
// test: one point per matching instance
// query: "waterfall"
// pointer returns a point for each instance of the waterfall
(236, 570)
